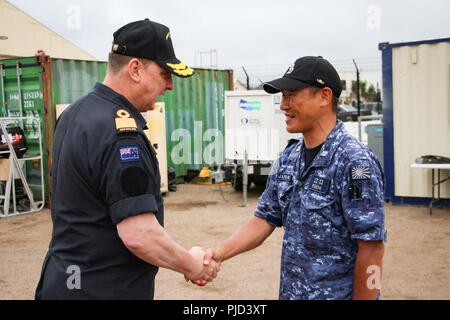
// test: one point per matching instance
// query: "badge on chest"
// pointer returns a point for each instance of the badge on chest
(319, 185)
(284, 177)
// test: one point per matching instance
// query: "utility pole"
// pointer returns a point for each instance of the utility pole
(358, 97)
(248, 79)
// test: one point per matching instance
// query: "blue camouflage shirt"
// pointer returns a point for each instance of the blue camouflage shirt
(324, 209)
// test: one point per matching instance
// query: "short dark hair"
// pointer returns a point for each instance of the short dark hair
(334, 101)
(117, 61)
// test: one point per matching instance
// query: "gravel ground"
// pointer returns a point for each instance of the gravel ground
(416, 264)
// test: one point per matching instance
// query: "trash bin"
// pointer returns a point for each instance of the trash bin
(375, 140)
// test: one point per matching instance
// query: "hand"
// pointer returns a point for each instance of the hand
(208, 259)
(209, 267)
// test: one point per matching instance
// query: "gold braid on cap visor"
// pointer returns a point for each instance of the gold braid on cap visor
(181, 69)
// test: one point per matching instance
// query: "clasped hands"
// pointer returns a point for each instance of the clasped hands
(206, 268)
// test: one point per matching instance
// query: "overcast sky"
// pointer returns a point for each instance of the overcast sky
(264, 36)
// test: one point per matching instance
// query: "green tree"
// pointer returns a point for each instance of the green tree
(368, 92)
(371, 93)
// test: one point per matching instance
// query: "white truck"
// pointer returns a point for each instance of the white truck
(254, 124)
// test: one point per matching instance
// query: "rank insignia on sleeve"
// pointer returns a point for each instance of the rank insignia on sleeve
(124, 122)
(360, 173)
(129, 154)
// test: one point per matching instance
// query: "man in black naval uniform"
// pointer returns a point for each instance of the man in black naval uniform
(107, 210)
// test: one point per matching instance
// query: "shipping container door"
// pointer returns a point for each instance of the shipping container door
(22, 96)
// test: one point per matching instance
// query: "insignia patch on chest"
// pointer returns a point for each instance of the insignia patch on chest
(284, 177)
(129, 154)
(320, 185)
(360, 173)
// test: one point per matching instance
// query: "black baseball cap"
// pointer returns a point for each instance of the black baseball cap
(307, 71)
(152, 41)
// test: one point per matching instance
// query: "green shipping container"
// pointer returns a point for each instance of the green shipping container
(194, 109)
(32, 87)
(195, 119)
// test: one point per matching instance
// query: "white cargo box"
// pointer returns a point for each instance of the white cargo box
(254, 123)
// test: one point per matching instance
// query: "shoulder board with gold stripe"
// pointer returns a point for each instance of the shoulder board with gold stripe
(124, 122)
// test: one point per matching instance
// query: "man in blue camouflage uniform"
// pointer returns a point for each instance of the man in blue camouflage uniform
(326, 190)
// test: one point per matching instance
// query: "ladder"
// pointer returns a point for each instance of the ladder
(16, 171)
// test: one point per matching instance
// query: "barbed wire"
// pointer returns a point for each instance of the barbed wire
(338, 62)
(259, 73)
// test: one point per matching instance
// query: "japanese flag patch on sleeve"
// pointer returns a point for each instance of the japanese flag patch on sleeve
(360, 173)
(129, 154)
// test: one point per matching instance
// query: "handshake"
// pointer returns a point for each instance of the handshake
(205, 269)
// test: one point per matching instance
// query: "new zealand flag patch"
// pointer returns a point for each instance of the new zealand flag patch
(319, 185)
(129, 154)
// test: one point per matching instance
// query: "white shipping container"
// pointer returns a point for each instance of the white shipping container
(416, 87)
(254, 123)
